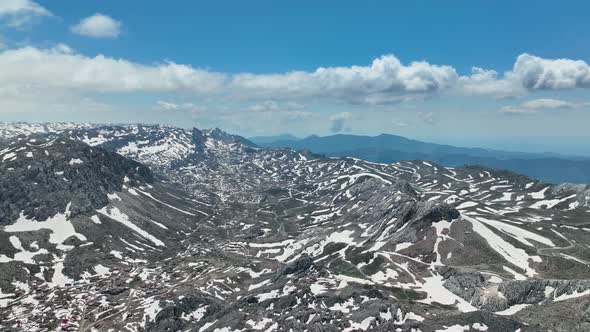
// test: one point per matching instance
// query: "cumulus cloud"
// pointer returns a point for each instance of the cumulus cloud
(529, 73)
(61, 67)
(384, 81)
(484, 82)
(536, 105)
(98, 26)
(19, 13)
(551, 74)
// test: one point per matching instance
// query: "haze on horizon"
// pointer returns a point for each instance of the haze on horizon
(503, 75)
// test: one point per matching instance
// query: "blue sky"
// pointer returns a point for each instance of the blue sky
(252, 67)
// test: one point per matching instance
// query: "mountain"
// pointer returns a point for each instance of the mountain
(272, 139)
(157, 228)
(385, 148)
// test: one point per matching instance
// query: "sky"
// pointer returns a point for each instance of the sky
(497, 74)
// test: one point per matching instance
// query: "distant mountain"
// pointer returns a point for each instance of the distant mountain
(386, 148)
(272, 139)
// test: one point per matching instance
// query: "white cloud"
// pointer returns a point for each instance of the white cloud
(535, 105)
(170, 106)
(98, 26)
(19, 13)
(60, 67)
(529, 73)
(386, 80)
(536, 73)
(484, 82)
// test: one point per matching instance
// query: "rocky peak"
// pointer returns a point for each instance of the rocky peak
(227, 138)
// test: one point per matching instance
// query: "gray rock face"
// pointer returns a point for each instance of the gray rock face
(170, 318)
(536, 291)
(473, 287)
(43, 174)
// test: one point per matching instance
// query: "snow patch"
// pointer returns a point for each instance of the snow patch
(59, 225)
(75, 161)
(116, 214)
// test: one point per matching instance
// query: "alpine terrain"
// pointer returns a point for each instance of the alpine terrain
(157, 228)
(387, 148)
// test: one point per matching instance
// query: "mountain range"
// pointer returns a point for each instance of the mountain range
(550, 167)
(158, 228)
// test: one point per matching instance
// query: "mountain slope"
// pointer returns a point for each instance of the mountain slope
(72, 213)
(390, 148)
(274, 239)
